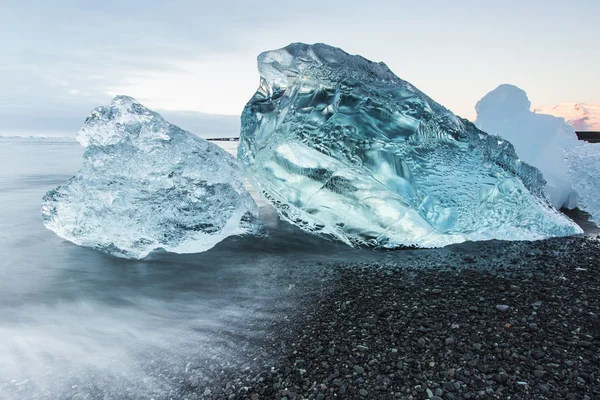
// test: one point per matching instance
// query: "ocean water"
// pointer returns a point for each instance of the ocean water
(75, 323)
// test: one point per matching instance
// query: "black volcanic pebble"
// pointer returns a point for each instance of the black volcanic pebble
(372, 331)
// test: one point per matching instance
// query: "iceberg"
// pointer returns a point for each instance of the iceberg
(145, 185)
(584, 167)
(345, 149)
(539, 139)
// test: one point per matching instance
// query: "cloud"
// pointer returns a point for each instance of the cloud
(62, 58)
(204, 125)
(211, 85)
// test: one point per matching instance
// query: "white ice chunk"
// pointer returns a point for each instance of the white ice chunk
(539, 139)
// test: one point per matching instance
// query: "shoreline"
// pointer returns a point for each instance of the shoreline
(491, 320)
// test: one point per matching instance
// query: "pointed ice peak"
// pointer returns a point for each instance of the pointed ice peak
(581, 116)
(330, 68)
(146, 184)
(125, 100)
(122, 105)
(280, 68)
(124, 119)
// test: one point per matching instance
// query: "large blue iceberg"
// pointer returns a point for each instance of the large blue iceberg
(146, 184)
(343, 148)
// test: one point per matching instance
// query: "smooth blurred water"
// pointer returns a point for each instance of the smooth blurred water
(76, 322)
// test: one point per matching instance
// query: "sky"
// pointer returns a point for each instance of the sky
(188, 58)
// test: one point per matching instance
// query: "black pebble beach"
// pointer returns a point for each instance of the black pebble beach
(497, 320)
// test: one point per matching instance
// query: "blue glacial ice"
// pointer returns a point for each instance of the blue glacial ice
(540, 140)
(343, 148)
(146, 184)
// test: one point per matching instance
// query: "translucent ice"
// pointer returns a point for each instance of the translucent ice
(345, 149)
(584, 170)
(539, 139)
(146, 184)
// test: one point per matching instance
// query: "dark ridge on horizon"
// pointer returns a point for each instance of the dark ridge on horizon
(588, 136)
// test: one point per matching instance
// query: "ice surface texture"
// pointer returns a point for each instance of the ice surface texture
(584, 170)
(345, 149)
(539, 139)
(146, 184)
